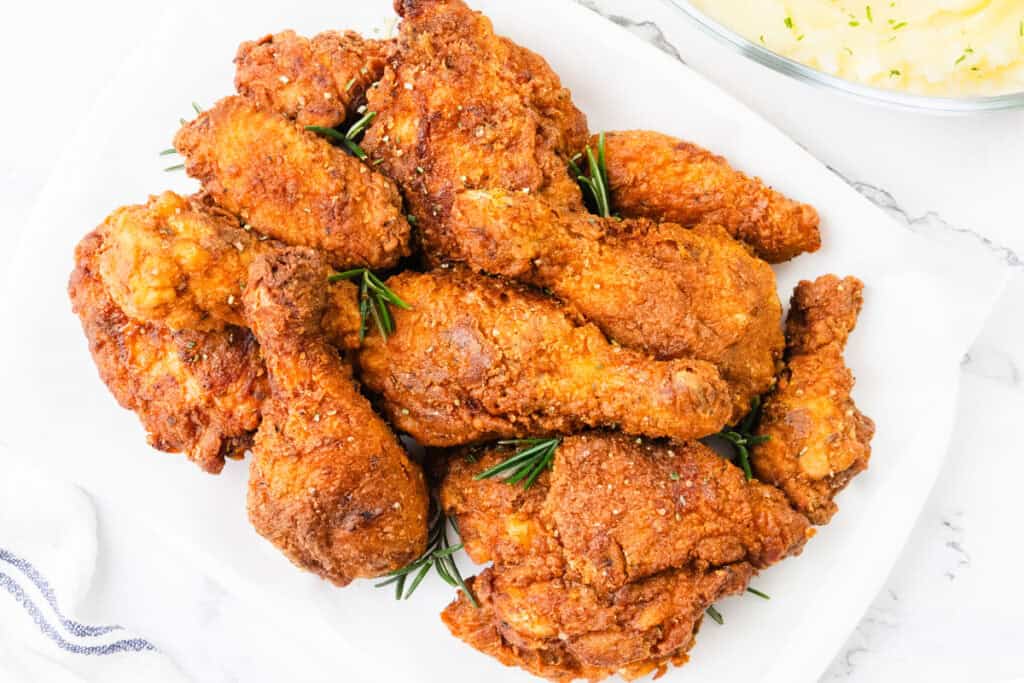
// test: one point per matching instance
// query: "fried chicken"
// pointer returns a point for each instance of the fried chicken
(668, 180)
(477, 358)
(329, 485)
(608, 562)
(183, 262)
(819, 439)
(659, 288)
(315, 81)
(292, 185)
(194, 392)
(459, 107)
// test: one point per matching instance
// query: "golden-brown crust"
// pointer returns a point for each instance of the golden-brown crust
(183, 262)
(315, 81)
(459, 107)
(477, 358)
(660, 288)
(819, 439)
(656, 176)
(292, 185)
(177, 261)
(606, 564)
(196, 392)
(329, 484)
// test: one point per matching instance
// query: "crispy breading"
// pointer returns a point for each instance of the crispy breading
(315, 81)
(564, 631)
(477, 358)
(459, 107)
(819, 439)
(329, 484)
(656, 176)
(660, 288)
(183, 262)
(292, 185)
(194, 392)
(608, 562)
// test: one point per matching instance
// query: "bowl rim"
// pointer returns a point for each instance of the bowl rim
(802, 72)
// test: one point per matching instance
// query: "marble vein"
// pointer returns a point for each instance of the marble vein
(648, 30)
(928, 221)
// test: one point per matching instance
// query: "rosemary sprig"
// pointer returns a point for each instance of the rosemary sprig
(374, 299)
(176, 167)
(348, 139)
(527, 463)
(167, 152)
(715, 614)
(742, 437)
(760, 594)
(597, 180)
(438, 556)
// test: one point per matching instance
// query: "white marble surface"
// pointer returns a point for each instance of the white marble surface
(951, 609)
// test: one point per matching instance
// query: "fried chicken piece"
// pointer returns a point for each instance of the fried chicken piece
(608, 562)
(477, 358)
(183, 262)
(292, 185)
(819, 440)
(329, 485)
(666, 179)
(460, 107)
(314, 81)
(659, 288)
(194, 392)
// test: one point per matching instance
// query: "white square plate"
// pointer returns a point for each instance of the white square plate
(925, 301)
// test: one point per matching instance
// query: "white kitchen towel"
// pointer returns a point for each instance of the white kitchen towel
(47, 561)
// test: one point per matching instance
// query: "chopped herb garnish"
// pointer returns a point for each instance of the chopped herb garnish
(437, 555)
(800, 37)
(411, 219)
(348, 139)
(597, 181)
(742, 437)
(867, 12)
(374, 299)
(758, 593)
(532, 458)
(854, 23)
(1020, 28)
(762, 39)
(897, 27)
(848, 50)
(894, 73)
(199, 110)
(351, 82)
(715, 614)
(788, 21)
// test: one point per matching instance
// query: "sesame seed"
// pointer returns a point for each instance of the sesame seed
(231, 300)
(662, 511)
(316, 418)
(283, 79)
(397, 505)
(327, 95)
(239, 246)
(408, 86)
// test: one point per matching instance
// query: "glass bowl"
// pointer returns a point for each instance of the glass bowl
(801, 72)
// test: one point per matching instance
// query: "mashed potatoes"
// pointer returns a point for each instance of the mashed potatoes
(950, 48)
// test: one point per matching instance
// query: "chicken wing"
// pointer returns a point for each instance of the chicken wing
(660, 288)
(329, 484)
(196, 392)
(183, 262)
(668, 180)
(292, 185)
(460, 107)
(819, 439)
(608, 562)
(314, 81)
(477, 358)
